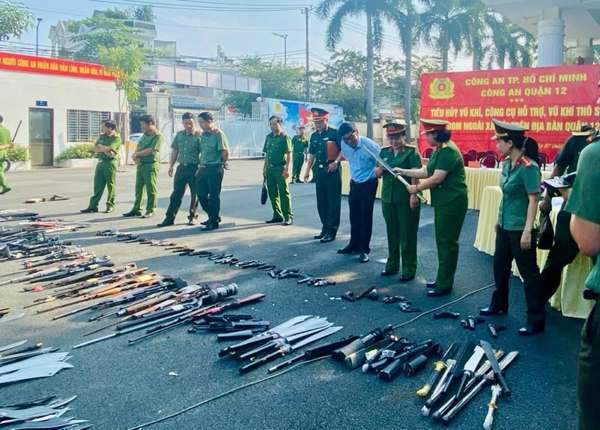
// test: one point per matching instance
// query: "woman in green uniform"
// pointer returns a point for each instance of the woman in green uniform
(444, 175)
(515, 239)
(401, 210)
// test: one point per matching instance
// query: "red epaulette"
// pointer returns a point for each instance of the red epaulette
(525, 161)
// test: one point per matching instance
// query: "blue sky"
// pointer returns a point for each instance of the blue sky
(241, 33)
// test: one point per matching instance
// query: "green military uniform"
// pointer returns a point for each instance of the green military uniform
(584, 203)
(211, 174)
(402, 222)
(276, 149)
(299, 144)
(517, 182)
(106, 171)
(328, 185)
(450, 202)
(147, 172)
(5, 139)
(187, 146)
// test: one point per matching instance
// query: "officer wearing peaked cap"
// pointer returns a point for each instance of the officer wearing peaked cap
(401, 210)
(445, 176)
(323, 149)
(515, 238)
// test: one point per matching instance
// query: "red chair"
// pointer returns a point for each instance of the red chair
(473, 154)
(468, 157)
(427, 153)
(543, 160)
(489, 161)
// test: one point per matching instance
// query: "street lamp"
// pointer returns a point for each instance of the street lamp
(284, 37)
(37, 37)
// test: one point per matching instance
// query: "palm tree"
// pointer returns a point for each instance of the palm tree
(509, 41)
(376, 11)
(406, 19)
(448, 25)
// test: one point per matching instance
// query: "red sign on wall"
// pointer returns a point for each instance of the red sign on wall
(550, 101)
(53, 66)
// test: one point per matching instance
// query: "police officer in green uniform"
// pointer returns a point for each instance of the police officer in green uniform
(300, 146)
(584, 206)
(401, 210)
(278, 150)
(323, 150)
(214, 153)
(107, 150)
(185, 150)
(445, 176)
(147, 158)
(5, 143)
(515, 238)
(564, 250)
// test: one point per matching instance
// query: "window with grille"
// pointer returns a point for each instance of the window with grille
(84, 125)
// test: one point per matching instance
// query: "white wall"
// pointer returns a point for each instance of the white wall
(19, 92)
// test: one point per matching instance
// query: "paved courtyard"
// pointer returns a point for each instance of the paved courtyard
(120, 386)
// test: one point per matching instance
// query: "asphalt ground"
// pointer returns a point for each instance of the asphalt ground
(120, 386)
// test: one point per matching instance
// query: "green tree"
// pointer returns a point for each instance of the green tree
(105, 32)
(447, 25)
(376, 11)
(15, 19)
(278, 81)
(509, 42)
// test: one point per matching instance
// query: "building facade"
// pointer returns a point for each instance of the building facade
(54, 103)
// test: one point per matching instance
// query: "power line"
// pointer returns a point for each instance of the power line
(199, 7)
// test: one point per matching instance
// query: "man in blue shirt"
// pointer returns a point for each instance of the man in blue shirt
(363, 188)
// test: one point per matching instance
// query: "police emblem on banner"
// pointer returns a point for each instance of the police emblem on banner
(441, 88)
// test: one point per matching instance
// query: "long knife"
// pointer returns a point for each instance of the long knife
(387, 167)
(287, 348)
(469, 369)
(489, 353)
(12, 346)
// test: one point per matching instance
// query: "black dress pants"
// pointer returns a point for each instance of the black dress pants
(361, 201)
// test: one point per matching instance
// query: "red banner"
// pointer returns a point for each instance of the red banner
(53, 66)
(550, 101)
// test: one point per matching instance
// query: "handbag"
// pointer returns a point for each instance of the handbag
(264, 195)
(546, 234)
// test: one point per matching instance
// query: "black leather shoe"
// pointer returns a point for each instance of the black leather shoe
(109, 210)
(430, 285)
(327, 238)
(319, 236)
(274, 220)
(531, 329)
(363, 257)
(346, 250)
(208, 221)
(388, 273)
(166, 223)
(406, 278)
(492, 310)
(131, 214)
(434, 292)
(88, 211)
(210, 227)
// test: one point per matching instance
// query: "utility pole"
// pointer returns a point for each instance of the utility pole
(37, 37)
(307, 12)
(284, 37)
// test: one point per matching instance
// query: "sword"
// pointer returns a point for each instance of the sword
(387, 167)
(489, 352)
(489, 418)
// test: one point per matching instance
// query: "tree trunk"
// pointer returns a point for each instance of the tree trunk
(370, 89)
(476, 59)
(445, 49)
(408, 41)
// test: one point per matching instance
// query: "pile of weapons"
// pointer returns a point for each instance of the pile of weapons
(41, 414)
(459, 377)
(17, 214)
(18, 363)
(282, 340)
(33, 240)
(220, 258)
